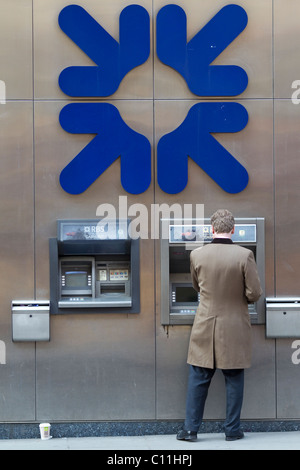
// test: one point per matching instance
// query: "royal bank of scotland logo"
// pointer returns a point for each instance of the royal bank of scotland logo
(192, 60)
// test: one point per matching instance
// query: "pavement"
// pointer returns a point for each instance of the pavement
(210, 441)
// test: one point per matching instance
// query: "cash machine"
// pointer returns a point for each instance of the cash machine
(94, 268)
(179, 300)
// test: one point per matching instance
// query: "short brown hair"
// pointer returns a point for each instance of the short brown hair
(222, 221)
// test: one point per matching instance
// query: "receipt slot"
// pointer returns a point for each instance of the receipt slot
(179, 300)
(30, 320)
(94, 268)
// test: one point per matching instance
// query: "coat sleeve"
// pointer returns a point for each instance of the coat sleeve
(194, 273)
(253, 288)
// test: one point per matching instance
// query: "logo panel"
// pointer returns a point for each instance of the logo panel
(114, 138)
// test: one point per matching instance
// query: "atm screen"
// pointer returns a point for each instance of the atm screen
(76, 279)
(186, 294)
(183, 293)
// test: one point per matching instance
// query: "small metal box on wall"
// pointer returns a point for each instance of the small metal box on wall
(30, 320)
(283, 317)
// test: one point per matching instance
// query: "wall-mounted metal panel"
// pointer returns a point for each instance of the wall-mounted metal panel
(54, 51)
(260, 377)
(112, 357)
(16, 48)
(286, 48)
(288, 376)
(287, 197)
(97, 368)
(251, 50)
(17, 375)
(254, 148)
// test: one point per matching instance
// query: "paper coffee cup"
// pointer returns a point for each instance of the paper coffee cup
(45, 431)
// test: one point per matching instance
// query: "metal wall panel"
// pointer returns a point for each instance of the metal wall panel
(287, 119)
(112, 355)
(16, 48)
(286, 47)
(54, 51)
(288, 376)
(17, 375)
(54, 149)
(254, 149)
(287, 198)
(97, 366)
(252, 50)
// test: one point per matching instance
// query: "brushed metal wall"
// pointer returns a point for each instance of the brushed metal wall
(286, 158)
(17, 375)
(116, 367)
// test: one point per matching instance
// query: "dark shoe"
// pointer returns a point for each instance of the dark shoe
(184, 435)
(240, 435)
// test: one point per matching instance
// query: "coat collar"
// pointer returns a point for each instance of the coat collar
(225, 241)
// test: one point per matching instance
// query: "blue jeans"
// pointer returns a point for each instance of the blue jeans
(198, 384)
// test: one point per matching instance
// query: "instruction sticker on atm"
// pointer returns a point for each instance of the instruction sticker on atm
(118, 275)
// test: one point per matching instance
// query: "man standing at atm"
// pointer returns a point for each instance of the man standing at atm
(225, 274)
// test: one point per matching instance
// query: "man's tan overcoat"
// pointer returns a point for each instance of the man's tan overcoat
(227, 278)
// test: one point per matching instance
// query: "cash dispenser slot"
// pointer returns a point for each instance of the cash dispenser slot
(109, 289)
(283, 317)
(91, 274)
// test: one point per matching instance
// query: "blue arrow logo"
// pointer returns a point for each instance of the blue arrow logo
(114, 139)
(114, 60)
(193, 139)
(192, 60)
